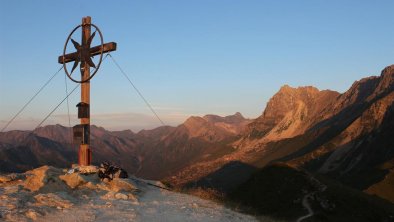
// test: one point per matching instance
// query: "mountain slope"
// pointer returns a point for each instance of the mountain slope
(344, 136)
(149, 153)
(197, 139)
(354, 154)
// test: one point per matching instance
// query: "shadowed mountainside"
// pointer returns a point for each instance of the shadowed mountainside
(288, 193)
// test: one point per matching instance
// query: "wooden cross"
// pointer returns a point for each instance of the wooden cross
(83, 55)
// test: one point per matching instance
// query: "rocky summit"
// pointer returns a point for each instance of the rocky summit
(290, 112)
(52, 194)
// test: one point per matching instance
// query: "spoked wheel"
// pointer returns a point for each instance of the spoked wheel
(83, 55)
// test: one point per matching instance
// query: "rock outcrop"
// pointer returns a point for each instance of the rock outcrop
(45, 177)
(290, 112)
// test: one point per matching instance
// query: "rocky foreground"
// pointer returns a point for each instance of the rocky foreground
(52, 194)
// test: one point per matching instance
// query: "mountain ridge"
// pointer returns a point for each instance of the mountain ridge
(367, 106)
(343, 136)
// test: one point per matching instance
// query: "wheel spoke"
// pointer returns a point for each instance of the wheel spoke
(75, 65)
(90, 62)
(91, 38)
(76, 44)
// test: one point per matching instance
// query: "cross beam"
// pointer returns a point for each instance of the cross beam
(107, 47)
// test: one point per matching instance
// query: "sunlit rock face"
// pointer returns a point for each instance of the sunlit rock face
(290, 112)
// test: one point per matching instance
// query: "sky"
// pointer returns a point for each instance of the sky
(187, 58)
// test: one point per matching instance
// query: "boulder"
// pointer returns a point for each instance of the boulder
(121, 196)
(117, 185)
(40, 177)
(52, 200)
(4, 179)
(32, 214)
(111, 195)
(75, 180)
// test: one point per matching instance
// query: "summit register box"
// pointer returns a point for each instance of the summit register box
(83, 110)
(81, 134)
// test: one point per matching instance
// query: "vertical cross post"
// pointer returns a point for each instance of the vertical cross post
(85, 154)
(83, 56)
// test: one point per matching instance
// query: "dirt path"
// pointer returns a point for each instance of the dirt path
(309, 196)
(306, 204)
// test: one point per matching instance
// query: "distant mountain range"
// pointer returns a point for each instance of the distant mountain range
(151, 154)
(346, 138)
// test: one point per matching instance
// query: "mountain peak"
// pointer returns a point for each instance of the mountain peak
(368, 89)
(387, 79)
(285, 87)
(388, 70)
(193, 120)
(289, 109)
(238, 114)
(215, 127)
(301, 89)
(235, 118)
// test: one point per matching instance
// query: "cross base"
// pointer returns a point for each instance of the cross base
(84, 155)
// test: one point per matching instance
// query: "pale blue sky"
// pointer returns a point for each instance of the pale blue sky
(189, 57)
